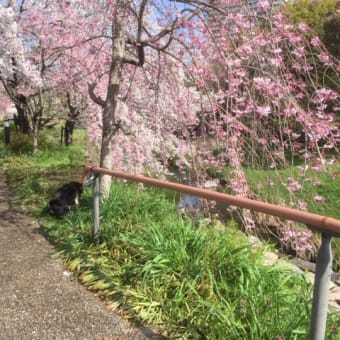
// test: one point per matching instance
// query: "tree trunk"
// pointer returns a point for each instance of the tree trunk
(72, 117)
(36, 119)
(35, 138)
(68, 132)
(111, 103)
(21, 119)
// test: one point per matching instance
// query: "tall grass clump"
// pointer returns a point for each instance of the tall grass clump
(186, 282)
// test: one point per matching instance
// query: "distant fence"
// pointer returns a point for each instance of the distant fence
(328, 227)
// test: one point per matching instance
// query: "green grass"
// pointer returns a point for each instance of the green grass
(163, 271)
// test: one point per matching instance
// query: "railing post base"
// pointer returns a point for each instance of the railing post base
(321, 289)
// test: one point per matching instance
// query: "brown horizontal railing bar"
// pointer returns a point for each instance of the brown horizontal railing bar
(322, 223)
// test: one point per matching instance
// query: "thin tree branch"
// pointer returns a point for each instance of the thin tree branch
(93, 96)
(202, 4)
(140, 20)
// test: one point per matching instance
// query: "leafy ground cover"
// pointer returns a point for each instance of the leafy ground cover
(158, 267)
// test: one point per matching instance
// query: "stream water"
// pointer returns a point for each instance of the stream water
(193, 204)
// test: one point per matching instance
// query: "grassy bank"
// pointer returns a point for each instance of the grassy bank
(158, 268)
(34, 177)
(270, 185)
(185, 282)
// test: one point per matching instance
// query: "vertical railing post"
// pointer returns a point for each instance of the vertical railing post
(321, 289)
(96, 199)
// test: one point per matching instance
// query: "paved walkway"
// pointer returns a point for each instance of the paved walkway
(37, 301)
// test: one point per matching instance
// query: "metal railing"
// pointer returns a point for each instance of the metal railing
(328, 227)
